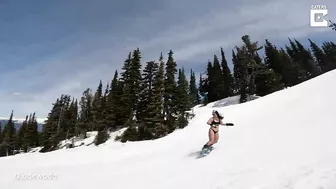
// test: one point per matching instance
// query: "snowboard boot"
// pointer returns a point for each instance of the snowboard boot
(207, 148)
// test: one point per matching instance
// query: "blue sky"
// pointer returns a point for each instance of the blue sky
(54, 47)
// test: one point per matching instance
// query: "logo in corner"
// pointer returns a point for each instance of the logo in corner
(318, 15)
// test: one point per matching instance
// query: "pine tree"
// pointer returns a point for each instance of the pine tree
(329, 48)
(118, 104)
(112, 103)
(170, 101)
(146, 94)
(247, 65)
(102, 122)
(292, 73)
(307, 61)
(122, 117)
(147, 109)
(54, 130)
(295, 55)
(34, 131)
(126, 105)
(182, 92)
(125, 75)
(130, 83)
(85, 118)
(135, 78)
(63, 123)
(217, 80)
(97, 106)
(102, 136)
(240, 73)
(227, 77)
(320, 56)
(253, 61)
(131, 78)
(68, 119)
(194, 97)
(72, 118)
(21, 133)
(293, 51)
(210, 85)
(183, 103)
(49, 127)
(157, 102)
(214, 84)
(9, 142)
(281, 64)
(30, 137)
(267, 82)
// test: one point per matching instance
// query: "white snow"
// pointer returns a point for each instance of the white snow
(81, 141)
(230, 101)
(285, 140)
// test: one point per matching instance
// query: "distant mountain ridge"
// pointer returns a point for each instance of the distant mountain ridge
(18, 122)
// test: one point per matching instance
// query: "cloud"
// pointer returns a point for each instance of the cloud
(80, 48)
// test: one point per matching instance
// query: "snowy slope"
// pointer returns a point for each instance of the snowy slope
(230, 101)
(282, 141)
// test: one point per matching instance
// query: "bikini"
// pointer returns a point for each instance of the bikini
(214, 123)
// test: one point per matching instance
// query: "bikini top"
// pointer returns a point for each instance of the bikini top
(215, 122)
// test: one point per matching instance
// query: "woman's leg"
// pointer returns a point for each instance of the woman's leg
(216, 138)
(211, 138)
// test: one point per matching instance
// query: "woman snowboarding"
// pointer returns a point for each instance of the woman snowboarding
(215, 121)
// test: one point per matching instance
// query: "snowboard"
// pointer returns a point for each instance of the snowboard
(204, 152)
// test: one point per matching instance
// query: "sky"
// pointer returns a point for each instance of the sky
(54, 47)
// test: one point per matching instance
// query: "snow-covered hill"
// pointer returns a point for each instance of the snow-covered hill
(285, 140)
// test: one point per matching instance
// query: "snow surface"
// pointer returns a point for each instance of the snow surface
(285, 140)
(230, 101)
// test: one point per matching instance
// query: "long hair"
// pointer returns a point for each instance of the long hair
(218, 115)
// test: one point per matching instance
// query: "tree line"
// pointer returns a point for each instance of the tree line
(26, 137)
(255, 75)
(153, 99)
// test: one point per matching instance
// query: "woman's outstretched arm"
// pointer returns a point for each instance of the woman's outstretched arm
(227, 124)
